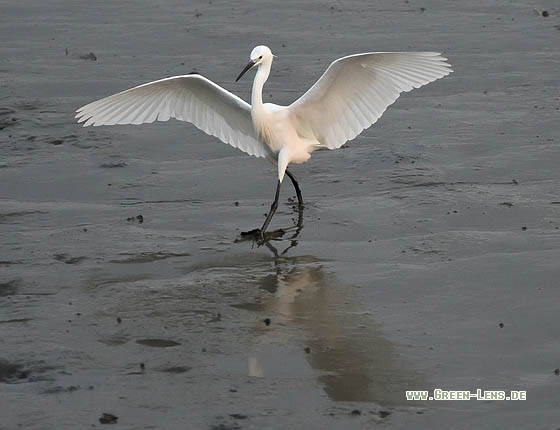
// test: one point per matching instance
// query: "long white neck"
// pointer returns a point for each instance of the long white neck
(263, 71)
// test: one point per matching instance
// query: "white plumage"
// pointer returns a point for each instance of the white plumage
(349, 97)
(355, 90)
(191, 98)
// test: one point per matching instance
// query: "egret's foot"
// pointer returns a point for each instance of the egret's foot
(256, 232)
(261, 237)
(255, 235)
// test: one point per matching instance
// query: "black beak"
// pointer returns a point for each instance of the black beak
(247, 67)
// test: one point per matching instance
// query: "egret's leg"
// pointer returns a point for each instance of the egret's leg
(273, 208)
(296, 186)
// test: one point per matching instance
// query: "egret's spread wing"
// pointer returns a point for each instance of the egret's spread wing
(355, 91)
(191, 98)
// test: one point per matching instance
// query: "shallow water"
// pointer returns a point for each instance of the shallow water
(427, 257)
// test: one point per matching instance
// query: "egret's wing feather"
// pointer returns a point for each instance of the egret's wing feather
(191, 98)
(355, 91)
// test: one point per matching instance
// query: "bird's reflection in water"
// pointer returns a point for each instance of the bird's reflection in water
(356, 362)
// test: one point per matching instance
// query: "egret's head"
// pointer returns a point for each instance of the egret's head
(260, 54)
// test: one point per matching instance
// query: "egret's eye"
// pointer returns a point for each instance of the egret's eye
(260, 58)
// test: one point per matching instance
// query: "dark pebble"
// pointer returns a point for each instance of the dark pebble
(142, 366)
(108, 418)
(91, 56)
(545, 13)
(119, 320)
(557, 371)
(384, 414)
(307, 350)
(501, 325)
(238, 416)
(236, 203)
(112, 165)
(177, 369)
(157, 343)
(355, 412)
(267, 321)
(523, 228)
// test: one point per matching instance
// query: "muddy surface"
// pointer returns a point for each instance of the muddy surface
(427, 256)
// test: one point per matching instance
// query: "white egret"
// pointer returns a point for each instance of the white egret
(349, 97)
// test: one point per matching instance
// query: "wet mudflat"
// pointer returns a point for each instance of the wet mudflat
(428, 253)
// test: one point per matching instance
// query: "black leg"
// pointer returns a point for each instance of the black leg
(296, 186)
(273, 208)
(259, 236)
